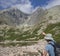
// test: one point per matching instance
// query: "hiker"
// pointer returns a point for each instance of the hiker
(49, 49)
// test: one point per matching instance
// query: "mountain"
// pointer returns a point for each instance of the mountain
(13, 17)
(47, 21)
(37, 16)
(42, 20)
(52, 16)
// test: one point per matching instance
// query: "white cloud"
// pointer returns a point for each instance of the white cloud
(25, 6)
(53, 3)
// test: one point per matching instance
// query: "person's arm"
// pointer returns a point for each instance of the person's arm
(45, 53)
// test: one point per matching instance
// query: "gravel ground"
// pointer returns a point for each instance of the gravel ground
(23, 50)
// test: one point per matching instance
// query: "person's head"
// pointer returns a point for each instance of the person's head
(48, 37)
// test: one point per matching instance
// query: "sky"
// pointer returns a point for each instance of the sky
(28, 6)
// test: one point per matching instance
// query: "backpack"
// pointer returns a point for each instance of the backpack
(56, 49)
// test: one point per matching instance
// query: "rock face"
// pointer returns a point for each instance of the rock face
(36, 16)
(12, 16)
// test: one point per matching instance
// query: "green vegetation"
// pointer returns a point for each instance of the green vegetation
(50, 17)
(55, 30)
(17, 34)
(11, 34)
(29, 35)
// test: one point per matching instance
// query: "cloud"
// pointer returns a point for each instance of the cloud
(52, 3)
(25, 6)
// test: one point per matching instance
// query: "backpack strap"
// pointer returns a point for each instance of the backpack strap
(53, 45)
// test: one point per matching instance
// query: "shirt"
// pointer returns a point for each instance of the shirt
(50, 49)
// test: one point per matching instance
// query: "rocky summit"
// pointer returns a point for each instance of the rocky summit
(12, 17)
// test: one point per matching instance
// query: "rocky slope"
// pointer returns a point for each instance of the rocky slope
(36, 16)
(12, 16)
(53, 14)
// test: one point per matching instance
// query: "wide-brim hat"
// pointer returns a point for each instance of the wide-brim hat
(48, 37)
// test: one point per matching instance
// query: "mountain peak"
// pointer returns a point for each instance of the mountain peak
(13, 16)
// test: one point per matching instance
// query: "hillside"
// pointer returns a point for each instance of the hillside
(53, 14)
(52, 22)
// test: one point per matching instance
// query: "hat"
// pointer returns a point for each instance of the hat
(48, 37)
